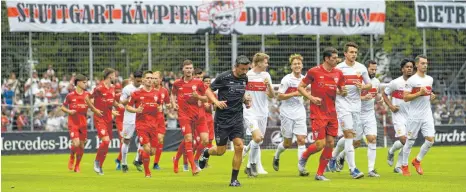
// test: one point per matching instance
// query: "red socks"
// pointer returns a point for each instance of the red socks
(189, 153)
(102, 152)
(200, 148)
(309, 151)
(324, 158)
(158, 152)
(145, 161)
(79, 155)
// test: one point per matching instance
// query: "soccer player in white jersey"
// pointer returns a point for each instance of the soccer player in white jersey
(368, 125)
(399, 110)
(349, 107)
(129, 121)
(259, 87)
(419, 94)
(292, 111)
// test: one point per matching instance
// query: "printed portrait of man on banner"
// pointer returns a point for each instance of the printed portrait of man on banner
(222, 16)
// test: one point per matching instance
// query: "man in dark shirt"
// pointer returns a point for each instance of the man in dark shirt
(228, 122)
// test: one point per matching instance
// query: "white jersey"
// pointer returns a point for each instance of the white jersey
(258, 91)
(128, 118)
(369, 104)
(420, 108)
(395, 89)
(352, 102)
(292, 108)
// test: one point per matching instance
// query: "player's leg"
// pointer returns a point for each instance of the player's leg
(336, 164)
(127, 133)
(428, 131)
(159, 149)
(145, 140)
(286, 128)
(327, 152)
(221, 139)
(262, 122)
(237, 159)
(319, 133)
(74, 136)
(349, 122)
(210, 125)
(119, 126)
(186, 130)
(104, 135)
(80, 149)
(412, 128)
(399, 125)
(203, 131)
(370, 130)
(254, 145)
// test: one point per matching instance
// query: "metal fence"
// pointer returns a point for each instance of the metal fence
(90, 53)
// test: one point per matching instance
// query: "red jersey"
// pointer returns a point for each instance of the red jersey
(324, 85)
(147, 120)
(121, 111)
(164, 98)
(103, 100)
(187, 104)
(77, 102)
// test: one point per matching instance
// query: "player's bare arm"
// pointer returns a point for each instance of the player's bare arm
(408, 96)
(66, 110)
(342, 91)
(302, 90)
(286, 96)
(91, 105)
(247, 100)
(270, 92)
(134, 110)
(173, 101)
(220, 104)
(202, 98)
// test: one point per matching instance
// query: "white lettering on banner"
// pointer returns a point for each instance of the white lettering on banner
(440, 14)
(451, 137)
(199, 16)
(28, 145)
(64, 142)
(88, 144)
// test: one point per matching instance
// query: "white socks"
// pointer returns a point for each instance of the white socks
(424, 149)
(397, 145)
(124, 154)
(301, 149)
(280, 149)
(253, 153)
(349, 150)
(400, 158)
(406, 150)
(371, 154)
(340, 146)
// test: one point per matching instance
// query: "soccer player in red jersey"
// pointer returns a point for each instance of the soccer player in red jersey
(104, 100)
(161, 128)
(76, 104)
(119, 119)
(209, 108)
(326, 82)
(188, 91)
(145, 101)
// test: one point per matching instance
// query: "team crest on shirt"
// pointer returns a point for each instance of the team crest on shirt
(102, 131)
(182, 129)
(194, 87)
(72, 134)
(155, 98)
(336, 79)
(163, 96)
(140, 139)
(358, 73)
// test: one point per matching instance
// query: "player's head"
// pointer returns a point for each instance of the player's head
(198, 73)
(407, 67)
(188, 68)
(242, 65)
(80, 81)
(125, 82)
(109, 73)
(148, 80)
(296, 63)
(223, 15)
(157, 77)
(206, 79)
(137, 80)
(351, 51)
(330, 56)
(371, 68)
(260, 61)
(421, 63)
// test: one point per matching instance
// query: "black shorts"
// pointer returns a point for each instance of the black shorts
(223, 133)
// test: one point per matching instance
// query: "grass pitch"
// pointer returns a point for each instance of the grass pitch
(444, 169)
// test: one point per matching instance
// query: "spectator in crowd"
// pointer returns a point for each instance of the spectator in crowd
(437, 117)
(64, 87)
(31, 87)
(5, 121)
(21, 120)
(13, 82)
(56, 120)
(45, 80)
(8, 96)
(445, 117)
(50, 72)
(172, 119)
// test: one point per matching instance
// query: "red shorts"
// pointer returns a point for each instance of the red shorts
(147, 137)
(188, 123)
(210, 126)
(161, 128)
(104, 128)
(77, 126)
(323, 127)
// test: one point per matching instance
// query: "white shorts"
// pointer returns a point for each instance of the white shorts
(399, 124)
(128, 130)
(368, 126)
(349, 121)
(252, 124)
(289, 127)
(426, 127)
